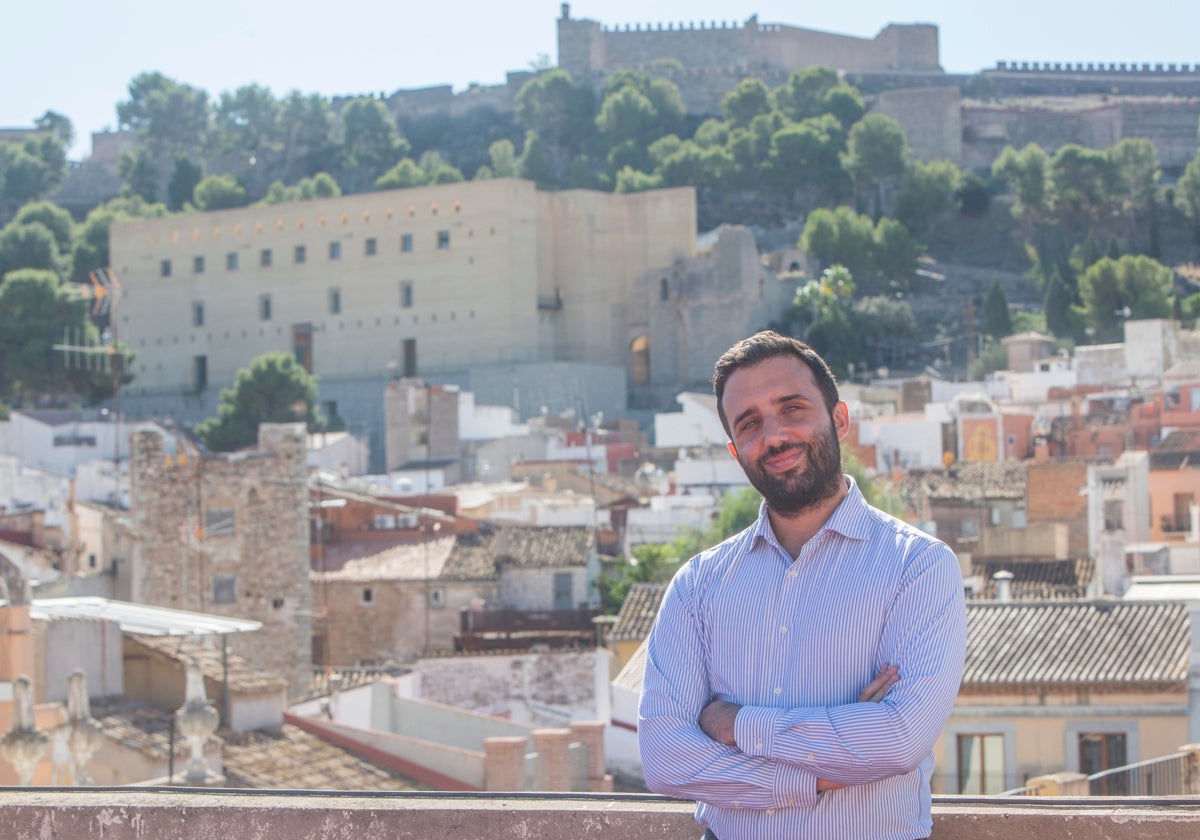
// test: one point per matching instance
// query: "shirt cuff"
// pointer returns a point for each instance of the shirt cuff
(754, 729)
(795, 787)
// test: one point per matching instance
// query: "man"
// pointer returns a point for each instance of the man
(799, 673)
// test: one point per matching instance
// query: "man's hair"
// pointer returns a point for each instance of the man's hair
(764, 345)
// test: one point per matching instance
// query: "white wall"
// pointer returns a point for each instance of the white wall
(90, 644)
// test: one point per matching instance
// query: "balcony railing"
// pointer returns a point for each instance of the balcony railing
(1165, 776)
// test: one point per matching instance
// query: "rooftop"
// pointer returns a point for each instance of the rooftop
(1117, 644)
(477, 554)
(638, 612)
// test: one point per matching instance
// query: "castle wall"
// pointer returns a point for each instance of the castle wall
(931, 118)
(228, 535)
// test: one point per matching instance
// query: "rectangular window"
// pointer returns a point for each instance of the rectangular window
(224, 589)
(219, 522)
(405, 243)
(980, 764)
(406, 294)
(410, 357)
(301, 253)
(335, 301)
(231, 261)
(264, 258)
(199, 373)
(367, 597)
(302, 345)
(264, 307)
(437, 598)
(335, 250)
(563, 598)
(197, 265)
(164, 268)
(369, 246)
(198, 313)
(443, 239)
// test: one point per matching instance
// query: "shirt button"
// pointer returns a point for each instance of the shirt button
(758, 745)
(793, 574)
(778, 690)
(812, 757)
(791, 801)
(782, 629)
(770, 810)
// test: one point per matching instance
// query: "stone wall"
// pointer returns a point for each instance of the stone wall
(228, 535)
(175, 815)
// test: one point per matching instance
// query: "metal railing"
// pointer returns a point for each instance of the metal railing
(1155, 777)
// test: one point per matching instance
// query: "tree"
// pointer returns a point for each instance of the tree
(32, 170)
(30, 245)
(1187, 194)
(632, 180)
(306, 129)
(883, 324)
(894, 251)
(805, 155)
(839, 236)
(1024, 172)
(534, 163)
(371, 142)
(170, 120)
(1130, 287)
(927, 190)
(90, 248)
(504, 158)
(219, 192)
(997, 322)
(404, 174)
(993, 357)
(746, 101)
(246, 122)
(60, 127)
(845, 103)
(973, 195)
(876, 151)
(1080, 181)
(137, 169)
(54, 218)
(803, 94)
(274, 388)
(437, 170)
(1057, 305)
(185, 176)
(35, 311)
(560, 111)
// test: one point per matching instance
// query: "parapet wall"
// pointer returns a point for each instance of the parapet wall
(168, 814)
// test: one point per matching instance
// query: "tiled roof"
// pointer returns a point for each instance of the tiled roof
(406, 561)
(1082, 643)
(972, 481)
(137, 727)
(638, 612)
(1037, 579)
(1116, 644)
(291, 758)
(243, 678)
(477, 555)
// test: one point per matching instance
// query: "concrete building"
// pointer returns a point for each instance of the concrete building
(468, 283)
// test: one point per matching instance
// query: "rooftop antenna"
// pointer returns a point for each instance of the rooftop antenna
(104, 356)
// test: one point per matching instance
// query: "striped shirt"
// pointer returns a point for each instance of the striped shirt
(793, 643)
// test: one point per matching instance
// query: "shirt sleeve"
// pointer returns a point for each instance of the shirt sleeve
(678, 758)
(925, 637)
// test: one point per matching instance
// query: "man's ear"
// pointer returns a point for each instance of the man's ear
(841, 420)
(732, 449)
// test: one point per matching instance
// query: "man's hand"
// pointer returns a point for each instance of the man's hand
(716, 719)
(887, 677)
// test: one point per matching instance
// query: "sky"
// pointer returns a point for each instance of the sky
(78, 58)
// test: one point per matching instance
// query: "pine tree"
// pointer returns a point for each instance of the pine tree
(997, 322)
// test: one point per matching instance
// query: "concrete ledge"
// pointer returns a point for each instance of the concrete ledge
(172, 814)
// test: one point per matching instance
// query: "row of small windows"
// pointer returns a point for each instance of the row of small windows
(335, 304)
(300, 253)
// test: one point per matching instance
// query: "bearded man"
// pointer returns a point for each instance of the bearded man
(799, 673)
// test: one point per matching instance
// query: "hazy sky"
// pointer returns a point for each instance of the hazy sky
(78, 58)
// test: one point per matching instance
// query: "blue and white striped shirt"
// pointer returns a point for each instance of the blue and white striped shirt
(794, 643)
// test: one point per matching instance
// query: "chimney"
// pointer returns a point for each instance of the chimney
(1003, 586)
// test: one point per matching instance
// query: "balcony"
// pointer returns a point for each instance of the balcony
(168, 814)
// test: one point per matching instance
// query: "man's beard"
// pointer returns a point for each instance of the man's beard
(808, 484)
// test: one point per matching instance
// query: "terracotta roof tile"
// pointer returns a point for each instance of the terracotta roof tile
(291, 758)
(638, 612)
(1037, 579)
(477, 555)
(1081, 643)
(242, 676)
(971, 481)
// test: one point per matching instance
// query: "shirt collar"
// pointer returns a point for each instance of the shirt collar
(848, 518)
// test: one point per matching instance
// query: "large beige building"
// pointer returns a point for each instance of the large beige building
(428, 281)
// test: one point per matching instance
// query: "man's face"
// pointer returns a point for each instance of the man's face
(783, 435)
